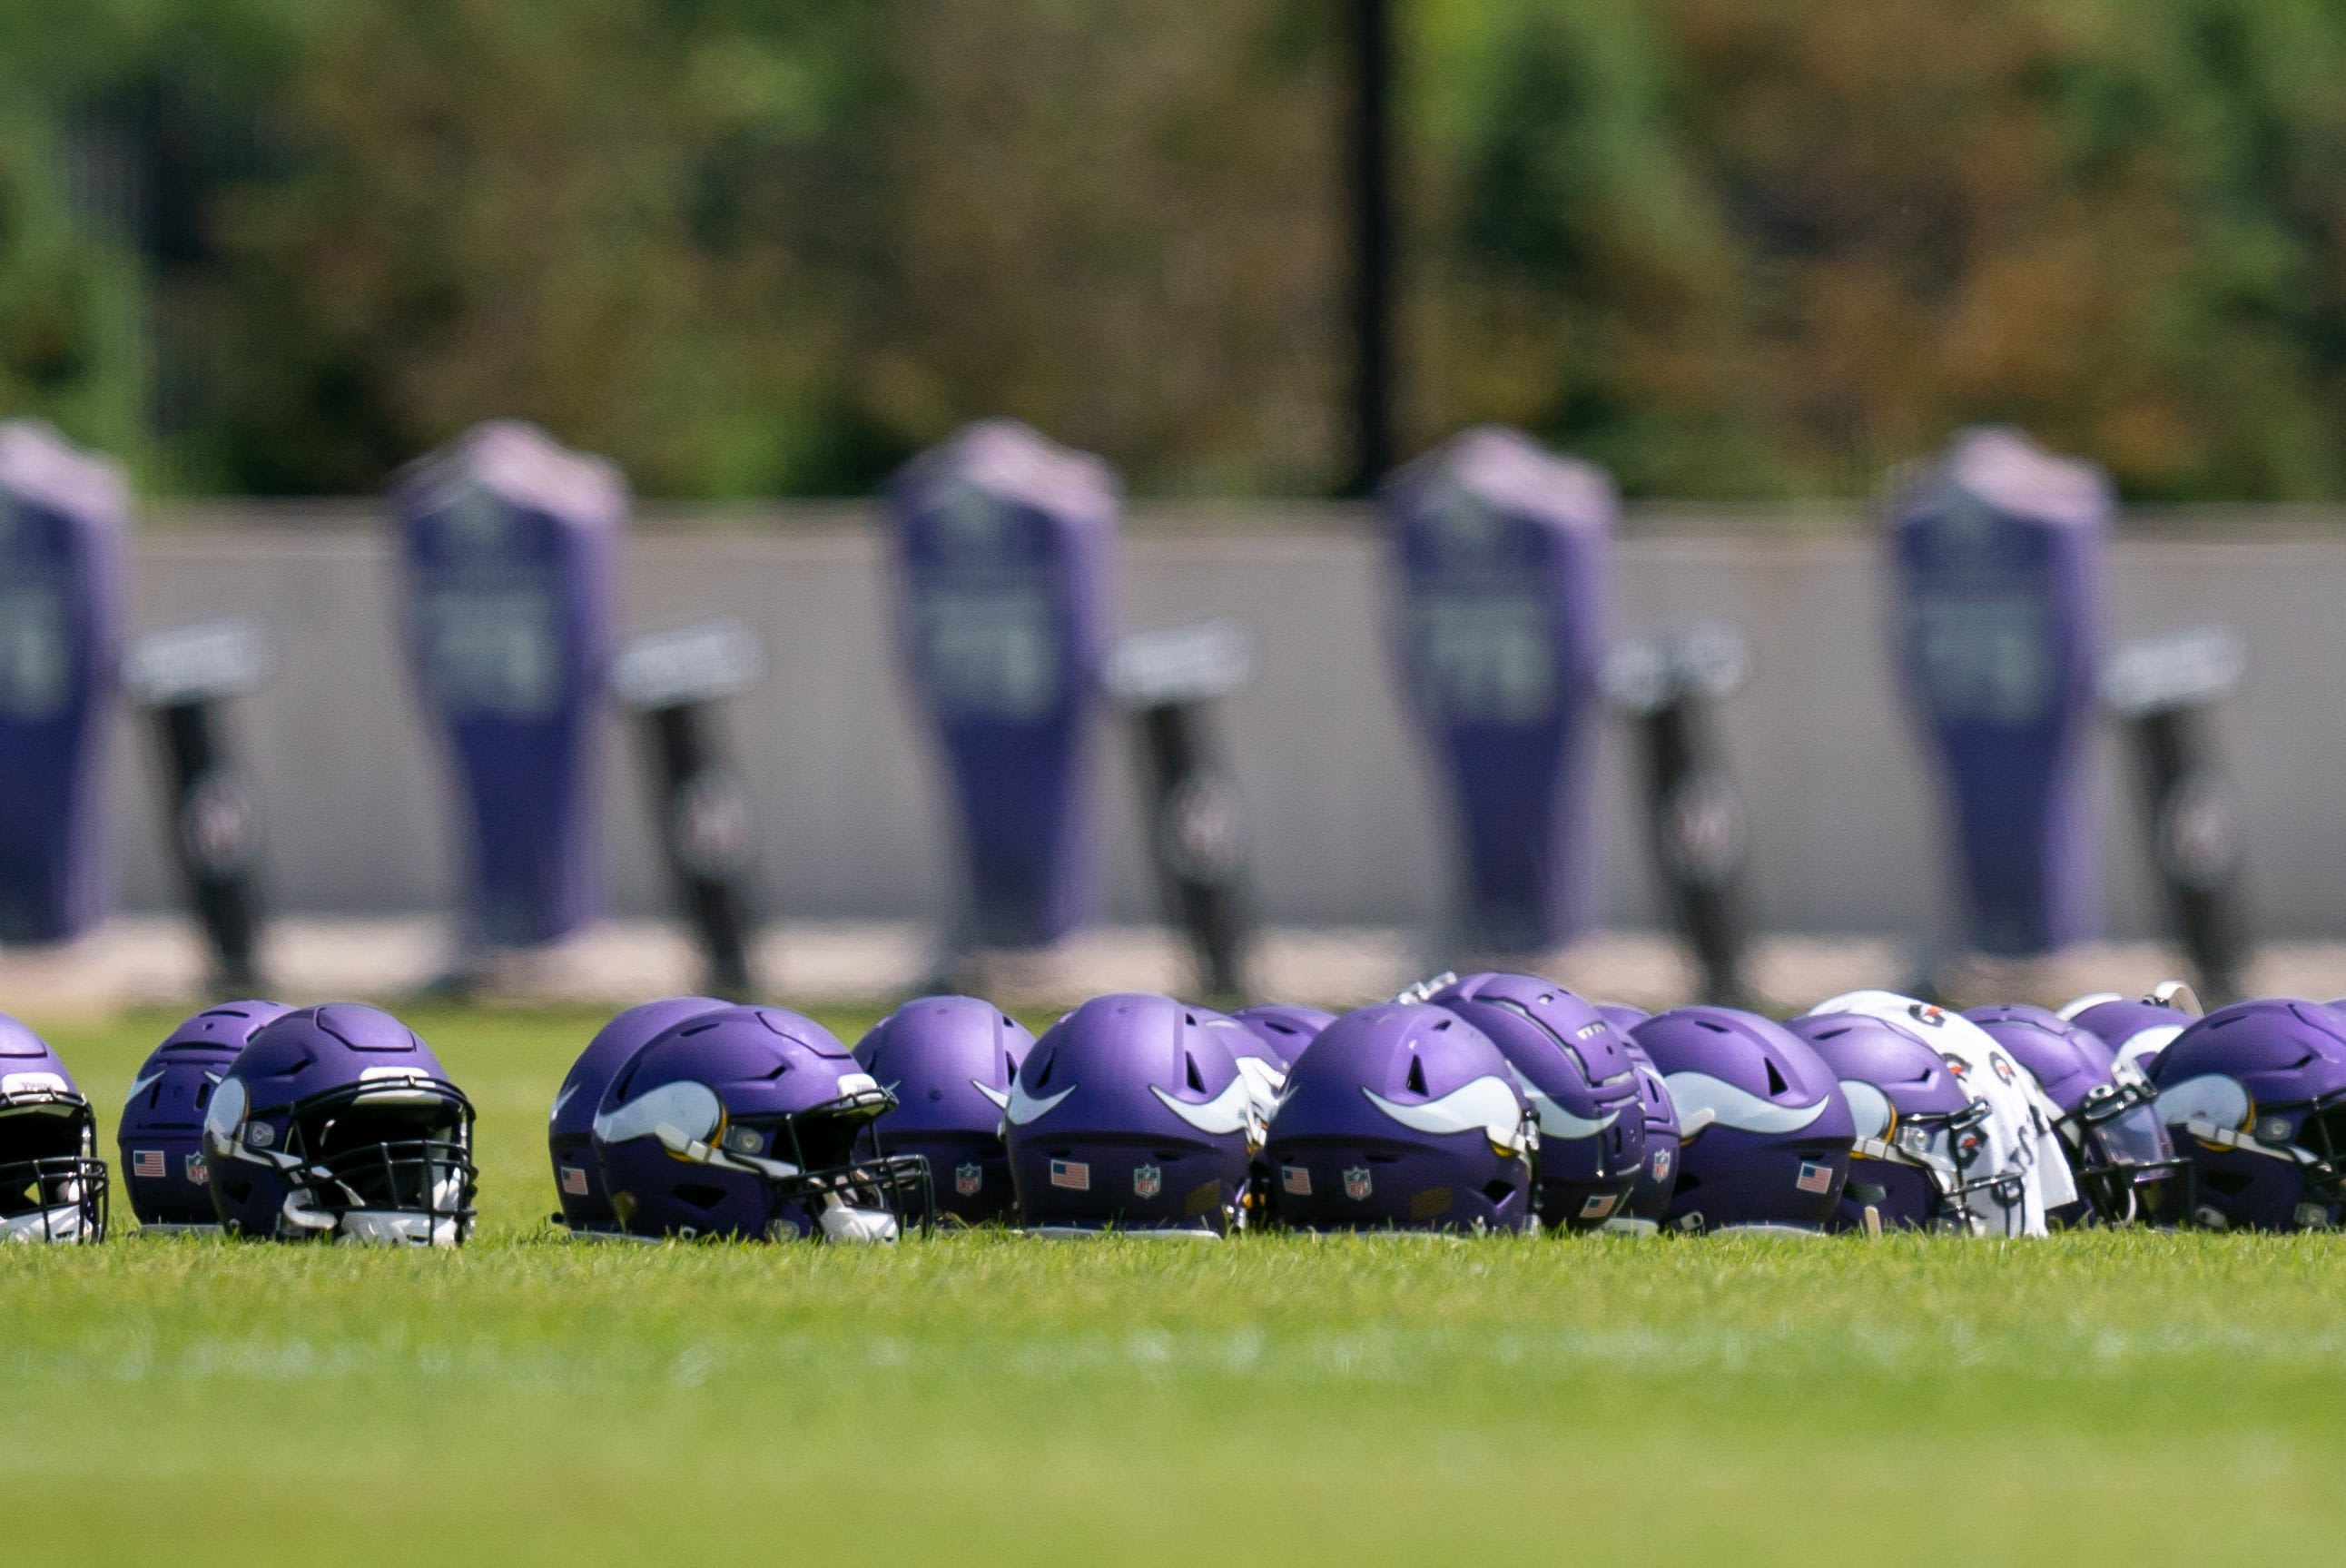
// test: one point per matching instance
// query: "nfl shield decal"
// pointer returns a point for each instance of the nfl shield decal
(574, 1181)
(1148, 1181)
(1295, 1179)
(1357, 1185)
(199, 1171)
(1662, 1163)
(1075, 1173)
(1814, 1177)
(147, 1163)
(967, 1179)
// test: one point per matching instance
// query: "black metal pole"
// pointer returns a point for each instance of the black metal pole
(1369, 155)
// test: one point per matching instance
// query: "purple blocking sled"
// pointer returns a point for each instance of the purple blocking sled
(1997, 553)
(1002, 547)
(508, 541)
(1501, 554)
(63, 515)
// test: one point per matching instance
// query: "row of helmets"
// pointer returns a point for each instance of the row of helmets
(1494, 1102)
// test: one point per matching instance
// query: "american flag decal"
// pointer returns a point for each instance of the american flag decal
(574, 1181)
(149, 1162)
(1295, 1179)
(1596, 1205)
(1074, 1174)
(1814, 1177)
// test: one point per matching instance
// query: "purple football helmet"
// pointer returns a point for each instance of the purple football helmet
(2125, 1165)
(1283, 1030)
(1765, 1131)
(2135, 1030)
(949, 1062)
(743, 1123)
(1401, 1117)
(1622, 1016)
(1649, 1200)
(1917, 1159)
(570, 1130)
(53, 1186)
(2255, 1095)
(338, 1121)
(161, 1132)
(1130, 1112)
(1580, 1082)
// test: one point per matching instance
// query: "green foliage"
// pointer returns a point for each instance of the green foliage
(1727, 249)
(2120, 1397)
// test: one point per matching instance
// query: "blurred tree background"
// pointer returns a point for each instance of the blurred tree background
(1730, 249)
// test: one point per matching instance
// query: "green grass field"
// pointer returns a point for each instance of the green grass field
(2095, 1398)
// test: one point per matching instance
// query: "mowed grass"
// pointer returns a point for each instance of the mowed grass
(2095, 1399)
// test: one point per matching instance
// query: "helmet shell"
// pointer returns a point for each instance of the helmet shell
(1402, 1116)
(53, 1186)
(1581, 1082)
(2068, 1060)
(1283, 1029)
(1131, 1111)
(569, 1134)
(1765, 1131)
(1893, 1078)
(2132, 1031)
(949, 1061)
(1622, 1016)
(733, 1085)
(2273, 1072)
(1650, 1198)
(161, 1132)
(338, 1120)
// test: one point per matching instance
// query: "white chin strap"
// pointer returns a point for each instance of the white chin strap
(863, 1226)
(393, 1228)
(59, 1224)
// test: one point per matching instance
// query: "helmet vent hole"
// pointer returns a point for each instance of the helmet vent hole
(699, 1196)
(1776, 1084)
(1197, 1079)
(203, 1094)
(1416, 1079)
(1043, 1078)
(1009, 1067)
(1499, 1191)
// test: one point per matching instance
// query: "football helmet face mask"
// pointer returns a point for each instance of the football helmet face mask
(161, 1132)
(1402, 1116)
(337, 1122)
(948, 1061)
(1131, 1113)
(2255, 1095)
(744, 1122)
(2023, 1142)
(1765, 1132)
(570, 1129)
(1920, 1140)
(1581, 1084)
(53, 1186)
(2124, 1164)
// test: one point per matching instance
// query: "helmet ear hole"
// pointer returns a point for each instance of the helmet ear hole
(699, 1196)
(1499, 1191)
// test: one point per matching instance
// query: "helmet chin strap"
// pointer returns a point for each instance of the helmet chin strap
(842, 1221)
